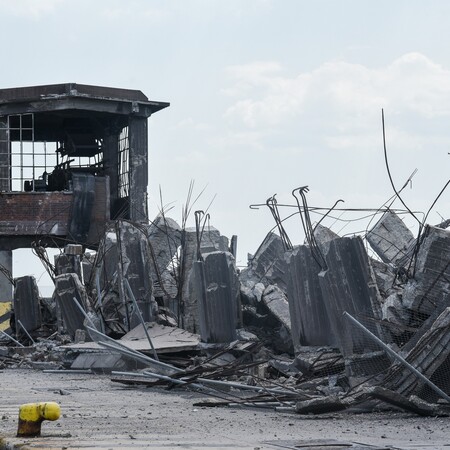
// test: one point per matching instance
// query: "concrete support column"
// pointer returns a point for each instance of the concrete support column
(6, 288)
(111, 164)
(138, 139)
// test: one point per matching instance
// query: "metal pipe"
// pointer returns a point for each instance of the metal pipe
(26, 332)
(174, 380)
(83, 312)
(397, 357)
(214, 383)
(243, 386)
(99, 300)
(12, 339)
(135, 352)
(218, 383)
(138, 312)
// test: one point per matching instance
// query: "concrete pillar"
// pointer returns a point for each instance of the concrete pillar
(6, 288)
(138, 139)
(111, 164)
(26, 305)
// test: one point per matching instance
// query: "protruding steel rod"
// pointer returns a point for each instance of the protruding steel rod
(99, 300)
(11, 338)
(83, 312)
(137, 355)
(26, 332)
(138, 312)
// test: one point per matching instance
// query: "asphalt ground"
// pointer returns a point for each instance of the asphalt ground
(96, 413)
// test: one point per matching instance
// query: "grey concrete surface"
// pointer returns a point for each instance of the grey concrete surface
(97, 413)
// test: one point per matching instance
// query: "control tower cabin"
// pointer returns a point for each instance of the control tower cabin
(72, 158)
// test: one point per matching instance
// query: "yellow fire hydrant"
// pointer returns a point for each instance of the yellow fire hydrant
(31, 416)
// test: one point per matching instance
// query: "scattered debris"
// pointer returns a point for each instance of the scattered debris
(339, 322)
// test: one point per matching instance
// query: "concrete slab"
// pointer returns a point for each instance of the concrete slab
(165, 340)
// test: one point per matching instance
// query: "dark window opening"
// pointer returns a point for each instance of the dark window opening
(124, 164)
(36, 165)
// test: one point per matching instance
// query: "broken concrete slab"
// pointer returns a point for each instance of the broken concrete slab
(215, 284)
(412, 404)
(65, 263)
(309, 317)
(396, 314)
(391, 239)
(268, 264)
(124, 254)
(135, 262)
(430, 286)
(67, 287)
(164, 235)
(366, 364)
(349, 285)
(324, 236)
(251, 292)
(319, 361)
(165, 340)
(321, 405)
(26, 305)
(211, 241)
(277, 303)
(101, 362)
(385, 277)
(428, 355)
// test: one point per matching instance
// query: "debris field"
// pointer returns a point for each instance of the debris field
(357, 323)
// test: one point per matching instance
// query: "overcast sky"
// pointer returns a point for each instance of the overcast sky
(266, 96)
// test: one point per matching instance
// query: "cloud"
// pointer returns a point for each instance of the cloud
(264, 95)
(29, 8)
(322, 127)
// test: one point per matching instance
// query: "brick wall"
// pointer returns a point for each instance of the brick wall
(30, 213)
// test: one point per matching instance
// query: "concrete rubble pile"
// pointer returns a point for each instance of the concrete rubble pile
(280, 332)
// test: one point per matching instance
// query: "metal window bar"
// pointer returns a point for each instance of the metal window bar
(5, 158)
(123, 164)
(26, 157)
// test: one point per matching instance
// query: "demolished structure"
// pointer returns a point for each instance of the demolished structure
(318, 327)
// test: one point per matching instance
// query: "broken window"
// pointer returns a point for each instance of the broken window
(34, 164)
(124, 164)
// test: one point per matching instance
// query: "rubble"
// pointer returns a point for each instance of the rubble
(215, 285)
(309, 316)
(160, 304)
(349, 285)
(26, 306)
(430, 286)
(391, 239)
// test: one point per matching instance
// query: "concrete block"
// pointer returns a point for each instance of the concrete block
(349, 285)
(215, 284)
(309, 317)
(430, 286)
(390, 238)
(26, 305)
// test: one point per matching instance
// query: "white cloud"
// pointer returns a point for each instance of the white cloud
(265, 96)
(29, 8)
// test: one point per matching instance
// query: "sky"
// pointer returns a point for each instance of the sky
(266, 96)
